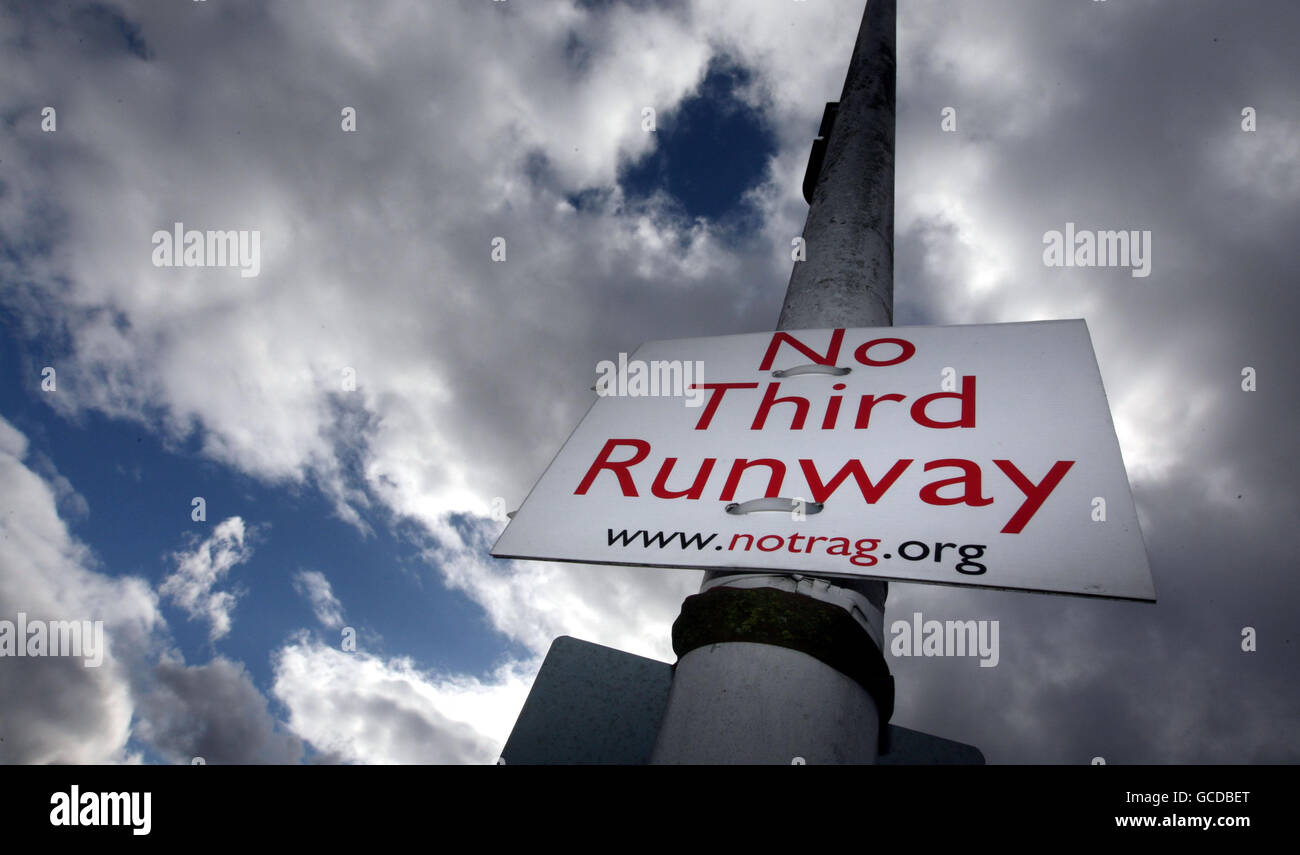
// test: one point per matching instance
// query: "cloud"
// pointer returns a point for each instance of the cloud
(356, 707)
(442, 323)
(191, 585)
(54, 709)
(313, 585)
(211, 711)
(142, 695)
(533, 602)
(71, 504)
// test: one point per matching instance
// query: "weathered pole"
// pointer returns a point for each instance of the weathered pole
(788, 669)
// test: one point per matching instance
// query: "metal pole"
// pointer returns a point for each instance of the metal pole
(788, 669)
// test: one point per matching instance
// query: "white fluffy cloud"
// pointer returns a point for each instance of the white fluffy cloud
(356, 707)
(313, 585)
(192, 585)
(535, 601)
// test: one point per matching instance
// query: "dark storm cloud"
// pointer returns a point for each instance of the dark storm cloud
(100, 26)
(1130, 117)
(212, 711)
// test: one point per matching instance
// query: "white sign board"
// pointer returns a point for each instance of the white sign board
(966, 455)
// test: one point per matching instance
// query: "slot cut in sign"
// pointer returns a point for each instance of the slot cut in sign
(970, 455)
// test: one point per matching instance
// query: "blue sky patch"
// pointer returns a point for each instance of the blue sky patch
(711, 149)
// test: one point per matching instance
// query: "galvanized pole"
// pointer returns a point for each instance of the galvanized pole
(790, 669)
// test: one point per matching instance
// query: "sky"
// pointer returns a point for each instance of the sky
(348, 417)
